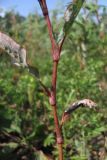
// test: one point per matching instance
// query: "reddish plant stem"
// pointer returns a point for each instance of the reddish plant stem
(60, 147)
(52, 97)
(54, 107)
(54, 76)
(58, 133)
(53, 92)
(50, 31)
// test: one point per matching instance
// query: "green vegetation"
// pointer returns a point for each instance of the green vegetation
(26, 120)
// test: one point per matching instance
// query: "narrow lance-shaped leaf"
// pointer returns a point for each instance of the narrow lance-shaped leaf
(18, 56)
(17, 53)
(70, 14)
(82, 103)
(14, 50)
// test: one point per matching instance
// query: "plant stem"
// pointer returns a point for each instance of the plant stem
(54, 76)
(54, 107)
(50, 31)
(60, 147)
(58, 133)
(52, 97)
(53, 92)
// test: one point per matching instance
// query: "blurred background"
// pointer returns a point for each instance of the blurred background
(26, 120)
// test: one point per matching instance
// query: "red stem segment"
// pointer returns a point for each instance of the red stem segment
(56, 56)
(55, 47)
(58, 133)
(54, 76)
(54, 107)
(50, 31)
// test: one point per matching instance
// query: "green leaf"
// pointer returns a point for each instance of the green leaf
(70, 14)
(49, 140)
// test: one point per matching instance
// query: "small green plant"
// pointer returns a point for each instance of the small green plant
(18, 55)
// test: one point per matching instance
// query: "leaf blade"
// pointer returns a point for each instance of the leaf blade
(85, 102)
(70, 14)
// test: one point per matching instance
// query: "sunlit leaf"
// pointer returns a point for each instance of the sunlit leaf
(70, 14)
(14, 50)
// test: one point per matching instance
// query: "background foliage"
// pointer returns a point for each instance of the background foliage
(26, 121)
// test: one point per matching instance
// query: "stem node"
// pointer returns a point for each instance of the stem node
(59, 140)
(52, 99)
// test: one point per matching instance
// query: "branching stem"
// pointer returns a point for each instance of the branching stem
(55, 57)
(53, 95)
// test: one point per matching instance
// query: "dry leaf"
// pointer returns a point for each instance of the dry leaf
(82, 103)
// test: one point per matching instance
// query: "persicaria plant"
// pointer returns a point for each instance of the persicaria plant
(18, 55)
